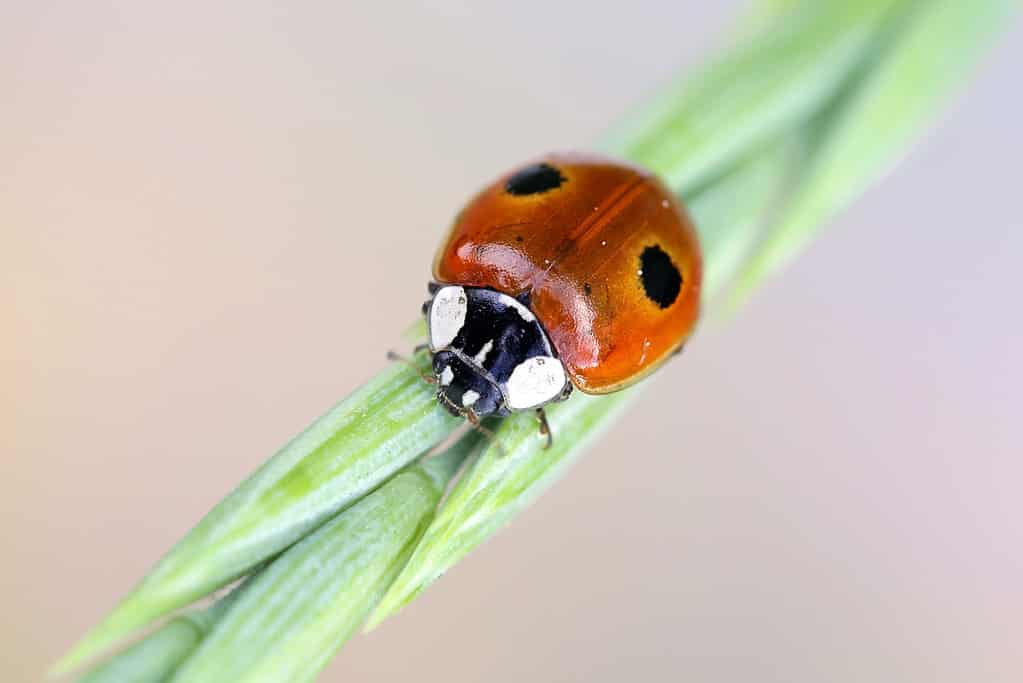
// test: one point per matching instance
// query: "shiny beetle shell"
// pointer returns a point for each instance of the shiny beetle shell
(600, 251)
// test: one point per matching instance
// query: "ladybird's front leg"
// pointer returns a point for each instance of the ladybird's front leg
(545, 427)
(396, 357)
(474, 420)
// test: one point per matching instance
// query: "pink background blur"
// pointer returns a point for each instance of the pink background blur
(194, 264)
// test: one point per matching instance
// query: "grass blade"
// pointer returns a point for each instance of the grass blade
(500, 483)
(884, 111)
(769, 83)
(154, 658)
(731, 213)
(345, 454)
(294, 615)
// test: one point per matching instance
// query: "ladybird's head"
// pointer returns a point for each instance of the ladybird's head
(491, 356)
(462, 388)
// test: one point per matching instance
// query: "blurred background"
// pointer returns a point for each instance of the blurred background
(215, 218)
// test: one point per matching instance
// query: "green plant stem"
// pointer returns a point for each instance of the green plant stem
(342, 456)
(766, 85)
(155, 657)
(319, 591)
(882, 112)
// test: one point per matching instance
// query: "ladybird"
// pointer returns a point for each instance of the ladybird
(572, 271)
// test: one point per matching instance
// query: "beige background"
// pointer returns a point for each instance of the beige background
(214, 220)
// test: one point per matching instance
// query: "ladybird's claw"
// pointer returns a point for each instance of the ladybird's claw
(545, 428)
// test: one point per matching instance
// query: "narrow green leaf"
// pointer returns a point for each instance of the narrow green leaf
(154, 658)
(731, 213)
(765, 15)
(346, 453)
(297, 612)
(771, 82)
(503, 480)
(885, 110)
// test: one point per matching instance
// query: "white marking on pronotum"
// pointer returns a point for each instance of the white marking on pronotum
(535, 381)
(446, 375)
(482, 355)
(447, 316)
(469, 398)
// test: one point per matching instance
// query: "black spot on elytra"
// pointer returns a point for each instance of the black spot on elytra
(534, 179)
(587, 288)
(518, 238)
(661, 278)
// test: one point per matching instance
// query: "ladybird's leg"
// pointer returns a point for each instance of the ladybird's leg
(545, 427)
(419, 348)
(453, 409)
(489, 434)
(398, 358)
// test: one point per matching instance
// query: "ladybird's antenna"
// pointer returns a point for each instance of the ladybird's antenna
(398, 358)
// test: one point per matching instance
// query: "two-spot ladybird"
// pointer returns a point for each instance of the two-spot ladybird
(575, 270)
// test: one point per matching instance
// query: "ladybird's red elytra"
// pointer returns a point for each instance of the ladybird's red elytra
(573, 270)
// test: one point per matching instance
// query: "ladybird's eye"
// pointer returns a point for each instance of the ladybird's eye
(661, 278)
(534, 179)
